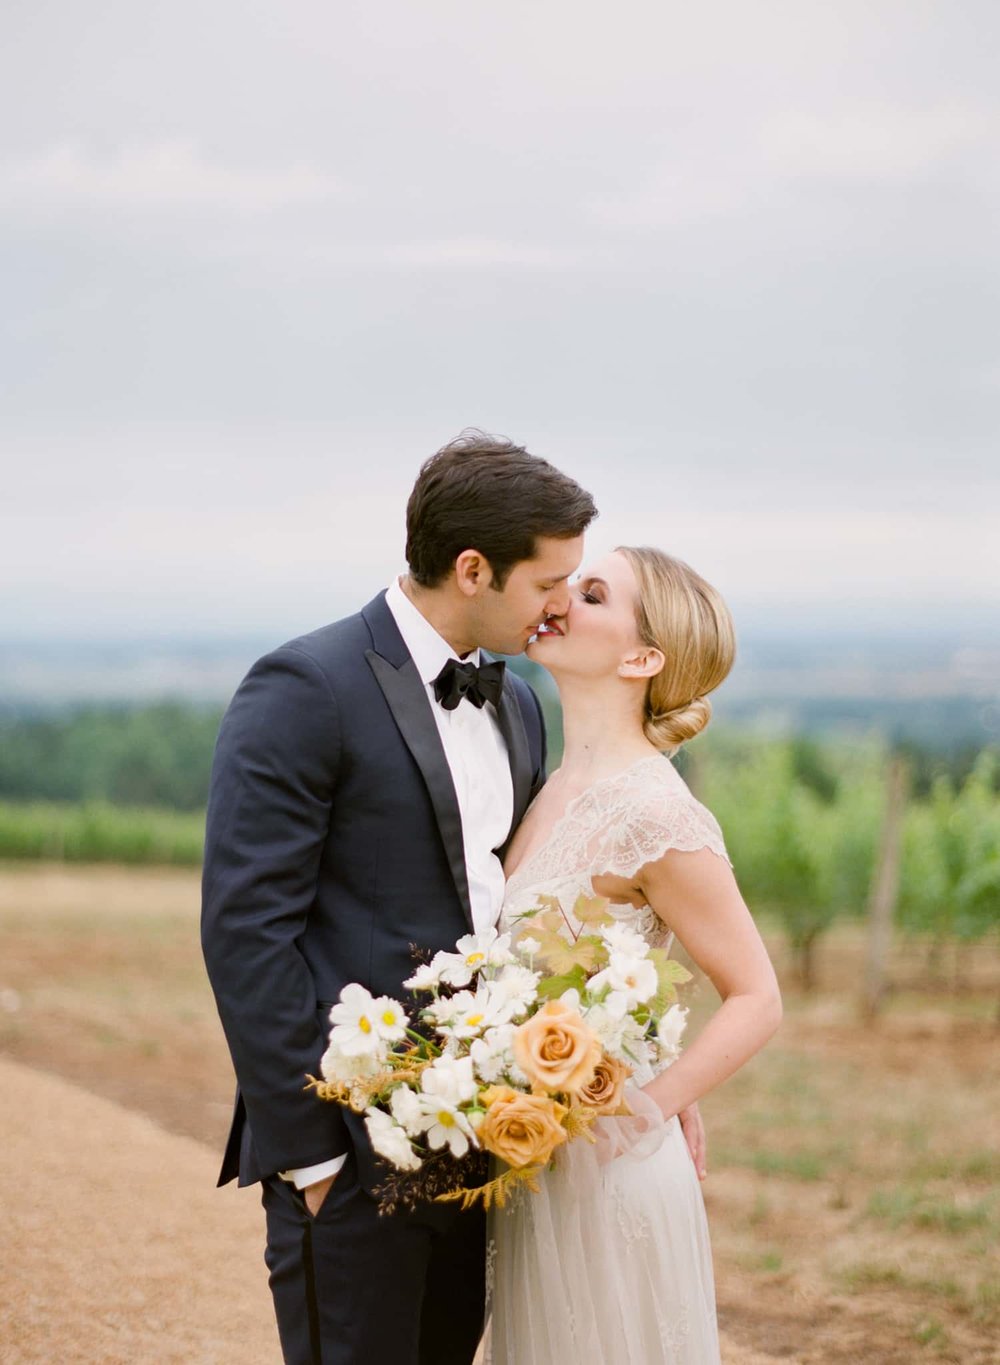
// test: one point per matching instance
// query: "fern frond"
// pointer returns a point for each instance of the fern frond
(496, 1191)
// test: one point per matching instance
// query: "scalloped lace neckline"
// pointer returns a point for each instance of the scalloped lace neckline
(574, 801)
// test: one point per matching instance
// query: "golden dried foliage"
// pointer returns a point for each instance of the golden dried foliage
(496, 1191)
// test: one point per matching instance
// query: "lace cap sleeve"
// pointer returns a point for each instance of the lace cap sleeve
(650, 820)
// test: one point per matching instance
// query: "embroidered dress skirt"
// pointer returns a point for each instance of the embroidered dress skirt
(606, 1265)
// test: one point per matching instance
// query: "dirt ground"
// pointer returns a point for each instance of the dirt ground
(118, 1249)
(853, 1172)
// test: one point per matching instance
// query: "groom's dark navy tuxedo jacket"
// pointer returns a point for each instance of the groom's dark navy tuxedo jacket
(333, 847)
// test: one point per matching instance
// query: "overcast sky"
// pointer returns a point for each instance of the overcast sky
(734, 266)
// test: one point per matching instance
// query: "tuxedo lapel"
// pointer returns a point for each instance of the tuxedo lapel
(405, 695)
(512, 728)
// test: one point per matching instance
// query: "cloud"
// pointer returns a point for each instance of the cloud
(316, 250)
(171, 173)
(875, 142)
(479, 251)
(670, 196)
(725, 171)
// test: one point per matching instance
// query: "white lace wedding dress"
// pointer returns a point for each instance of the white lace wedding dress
(608, 1265)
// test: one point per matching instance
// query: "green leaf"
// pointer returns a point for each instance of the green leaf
(563, 955)
(552, 987)
(592, 911)
(668, 969)
(663, 999)
(669, 975)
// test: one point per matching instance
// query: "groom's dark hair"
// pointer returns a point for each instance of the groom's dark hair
(482, 492)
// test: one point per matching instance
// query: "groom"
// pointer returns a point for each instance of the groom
(366, 780)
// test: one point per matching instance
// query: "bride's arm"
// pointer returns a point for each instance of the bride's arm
(697, 896)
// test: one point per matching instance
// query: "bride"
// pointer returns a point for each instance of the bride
(610, 1264)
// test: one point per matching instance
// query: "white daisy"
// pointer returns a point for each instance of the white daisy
(389, 1018)
(473, 952)
(355, 1018)
(466, 1015)
(446, 1125)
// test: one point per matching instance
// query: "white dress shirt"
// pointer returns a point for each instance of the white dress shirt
(477, 756)
(480, 768)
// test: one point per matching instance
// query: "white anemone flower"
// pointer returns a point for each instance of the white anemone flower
(446, 1125)
(450, 1079)
(621, 939)
(633, 977)
(355, 1017)
(670, 1029)
(405, 1106)
(390, 1141)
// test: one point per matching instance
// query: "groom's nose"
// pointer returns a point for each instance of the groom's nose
(558, 603)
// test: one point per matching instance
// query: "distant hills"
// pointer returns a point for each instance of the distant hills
(939, 688)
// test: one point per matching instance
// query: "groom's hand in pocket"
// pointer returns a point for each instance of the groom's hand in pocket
(694, 1135)
(315, 1194)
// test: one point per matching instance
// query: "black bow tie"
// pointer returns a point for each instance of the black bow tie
(457, 680)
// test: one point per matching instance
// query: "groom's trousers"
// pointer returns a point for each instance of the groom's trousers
(355, 1287)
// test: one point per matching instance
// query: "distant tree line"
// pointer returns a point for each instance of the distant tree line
(127, 755)
(160, 755)
(805, 820)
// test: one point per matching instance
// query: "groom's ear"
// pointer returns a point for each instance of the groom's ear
(472, 572)
(645, 662)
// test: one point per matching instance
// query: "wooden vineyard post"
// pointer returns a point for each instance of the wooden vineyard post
(885, 886)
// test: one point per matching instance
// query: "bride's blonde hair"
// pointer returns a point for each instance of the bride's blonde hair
(684, 617)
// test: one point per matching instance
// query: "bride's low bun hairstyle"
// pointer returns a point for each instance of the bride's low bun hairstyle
(671, 728)
(684, 617)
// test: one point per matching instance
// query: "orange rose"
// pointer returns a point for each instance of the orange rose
(523, 1130)
(556, 1049)
(605, 1094)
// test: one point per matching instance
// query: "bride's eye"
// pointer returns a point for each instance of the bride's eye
(589, 597)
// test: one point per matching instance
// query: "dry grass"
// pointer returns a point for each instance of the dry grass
(853, 1172)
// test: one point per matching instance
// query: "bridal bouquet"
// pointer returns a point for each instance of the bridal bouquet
(526, 1039)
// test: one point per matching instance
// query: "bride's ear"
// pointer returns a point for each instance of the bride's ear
(646, 662)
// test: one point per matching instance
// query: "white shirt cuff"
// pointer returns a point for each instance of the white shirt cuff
(309, 1175)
